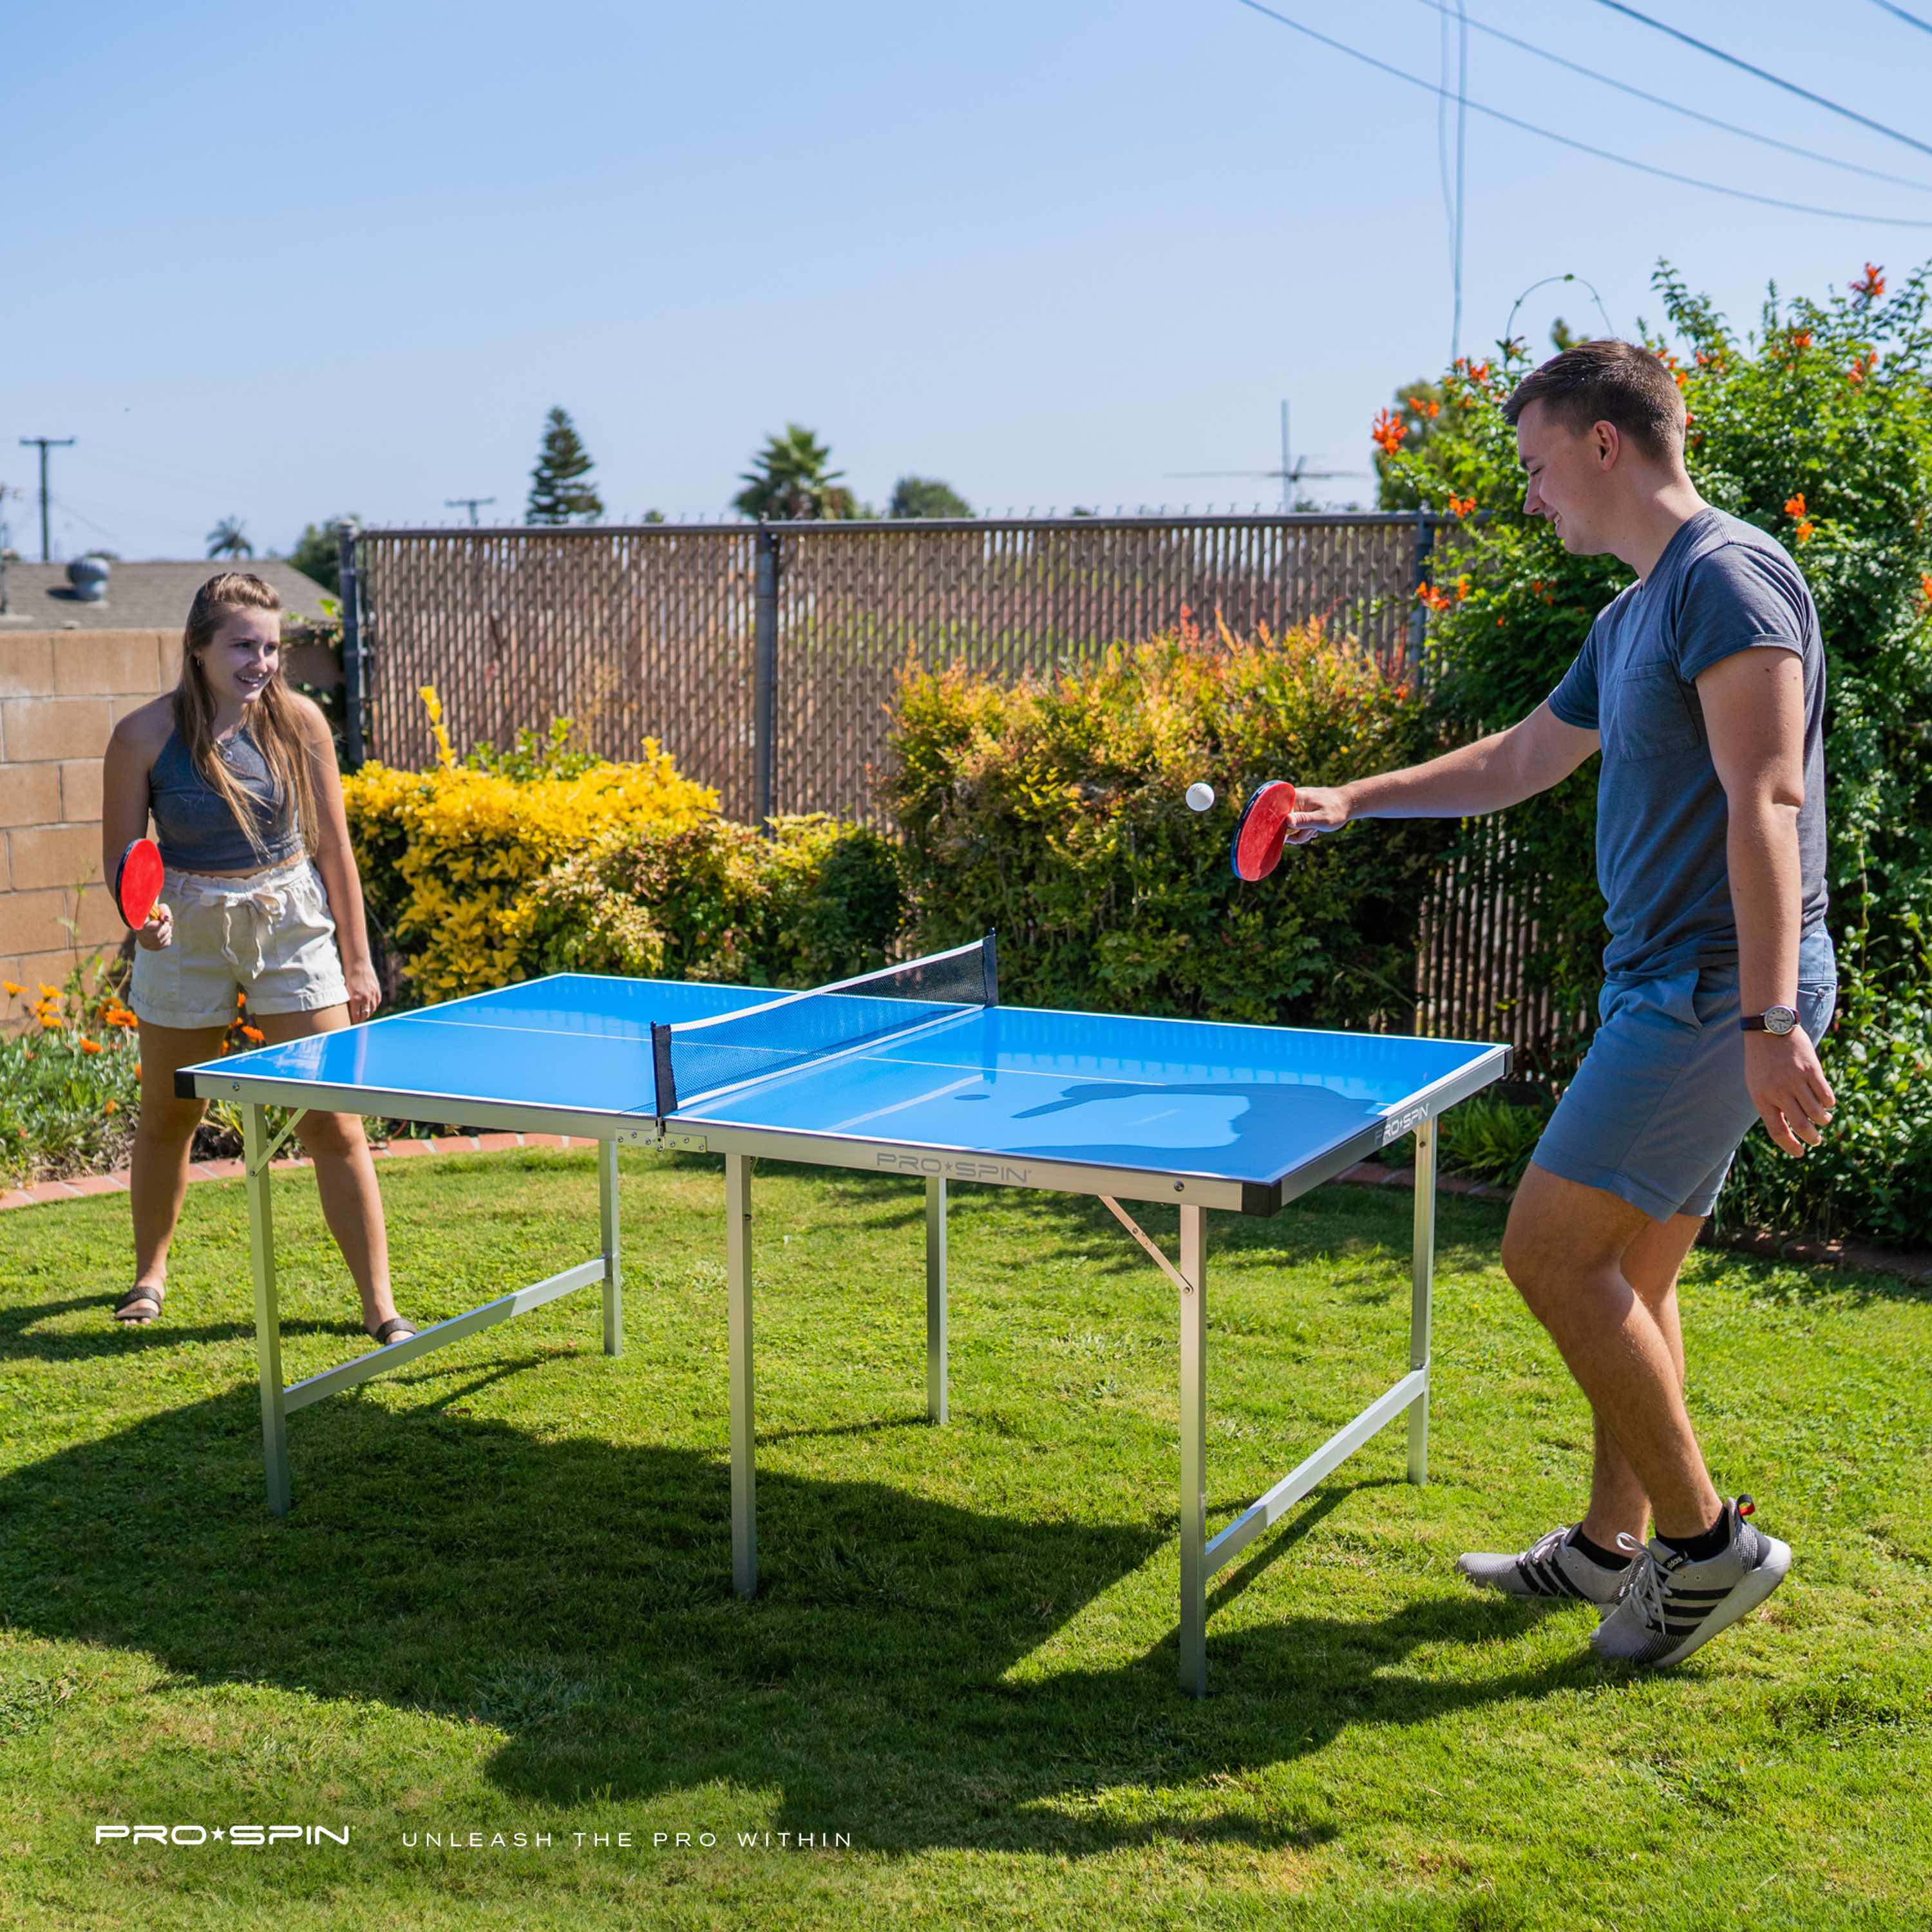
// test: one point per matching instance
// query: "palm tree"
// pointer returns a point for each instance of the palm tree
(789, 480)
(228, 539)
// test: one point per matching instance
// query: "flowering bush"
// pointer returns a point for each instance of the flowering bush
(1818, 428)
(544, 859)
(1055, 811)
(70, 1074)
(447, 855)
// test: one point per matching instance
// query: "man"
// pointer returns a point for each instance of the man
(1702, 684)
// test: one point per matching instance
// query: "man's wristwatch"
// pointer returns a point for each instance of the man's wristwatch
(1773, 1019)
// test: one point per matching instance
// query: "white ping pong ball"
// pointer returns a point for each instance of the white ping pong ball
(1200, 797)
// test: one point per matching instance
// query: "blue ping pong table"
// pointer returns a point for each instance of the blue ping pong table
(918, 1071)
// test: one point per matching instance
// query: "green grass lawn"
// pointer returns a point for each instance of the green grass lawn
(503, 1603)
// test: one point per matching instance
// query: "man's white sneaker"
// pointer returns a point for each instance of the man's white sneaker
(1670, 1605)
(1552, 1568)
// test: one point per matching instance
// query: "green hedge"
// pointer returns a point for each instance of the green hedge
(1817, 427)
(1055, 812)
(816, 901)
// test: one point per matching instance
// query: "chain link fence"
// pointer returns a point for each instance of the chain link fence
(763, 657)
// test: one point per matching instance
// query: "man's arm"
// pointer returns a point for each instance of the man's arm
(1753, 704)
(1502, 769)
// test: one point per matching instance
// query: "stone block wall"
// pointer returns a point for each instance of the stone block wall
(61, 692)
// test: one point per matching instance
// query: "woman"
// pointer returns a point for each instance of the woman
(239, 773)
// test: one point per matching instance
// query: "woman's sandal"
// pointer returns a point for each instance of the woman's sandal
(133, 1299)
(396, 1329)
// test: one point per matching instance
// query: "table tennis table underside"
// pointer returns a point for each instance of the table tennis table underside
(1195, 1194)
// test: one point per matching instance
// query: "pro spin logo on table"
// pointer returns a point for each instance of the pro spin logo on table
(246, 1836)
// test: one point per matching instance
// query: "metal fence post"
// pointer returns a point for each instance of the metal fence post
(349, 592)
(765, 673)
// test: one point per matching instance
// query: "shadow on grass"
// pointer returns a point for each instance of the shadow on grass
(575, 1593)
(28, 1331)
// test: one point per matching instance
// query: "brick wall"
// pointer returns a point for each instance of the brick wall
(61, 692)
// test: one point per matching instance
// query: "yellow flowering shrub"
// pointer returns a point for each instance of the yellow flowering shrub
(448, 856)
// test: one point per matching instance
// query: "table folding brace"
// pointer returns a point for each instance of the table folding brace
(279, 1403)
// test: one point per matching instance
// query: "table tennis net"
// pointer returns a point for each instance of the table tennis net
(696, 1058)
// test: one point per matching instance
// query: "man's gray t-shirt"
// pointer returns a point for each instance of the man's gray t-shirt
(1721, 585)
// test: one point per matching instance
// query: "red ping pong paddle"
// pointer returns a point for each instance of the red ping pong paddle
(1263, 824)
(137, 881)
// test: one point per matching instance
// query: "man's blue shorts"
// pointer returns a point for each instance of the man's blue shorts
(1659, 1106)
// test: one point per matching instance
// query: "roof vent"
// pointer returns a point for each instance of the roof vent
(88, 576)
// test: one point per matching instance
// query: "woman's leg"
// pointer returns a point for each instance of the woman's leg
(345, 1175)
(163, 1136)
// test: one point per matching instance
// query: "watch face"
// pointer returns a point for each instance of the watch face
(1779, 1019)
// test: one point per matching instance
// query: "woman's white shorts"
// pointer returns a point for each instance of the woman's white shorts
(268, 935)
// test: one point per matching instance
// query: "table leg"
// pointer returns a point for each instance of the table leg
(744, 1473)
(1194, 1451)
(267, 1320)
(1422, 1273)
(613, 1278)
(935, 1299)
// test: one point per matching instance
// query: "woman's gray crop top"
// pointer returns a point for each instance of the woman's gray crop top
(193, 825)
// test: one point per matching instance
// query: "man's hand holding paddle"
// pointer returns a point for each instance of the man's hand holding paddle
(1317, 808)
(1278, 813)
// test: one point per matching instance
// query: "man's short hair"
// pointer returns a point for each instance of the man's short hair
(1612, 381)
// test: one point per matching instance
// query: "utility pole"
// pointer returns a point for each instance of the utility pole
(469, 503)
(46, 442)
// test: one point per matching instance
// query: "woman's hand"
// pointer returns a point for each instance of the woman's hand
(159, 932)
(365, 991)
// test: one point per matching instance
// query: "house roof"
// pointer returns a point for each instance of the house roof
(140, 596)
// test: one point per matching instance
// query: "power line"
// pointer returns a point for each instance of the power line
(1677, 107)
(67, 509)
(1452, 198)
(1462, 127)
(1910, 19)
(469, 503)
(1584, 147)
(1776, 80)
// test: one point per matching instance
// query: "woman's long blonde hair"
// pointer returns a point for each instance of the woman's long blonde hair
(273, 721)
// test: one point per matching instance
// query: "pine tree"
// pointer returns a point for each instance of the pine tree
(560, 489)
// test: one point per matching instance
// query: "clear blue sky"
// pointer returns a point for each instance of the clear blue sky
(279, 262)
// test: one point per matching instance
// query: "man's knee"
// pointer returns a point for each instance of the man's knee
(1558, 1231)
(1526, 1258)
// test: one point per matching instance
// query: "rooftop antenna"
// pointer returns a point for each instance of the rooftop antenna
(469, 503)
(1291, 472)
